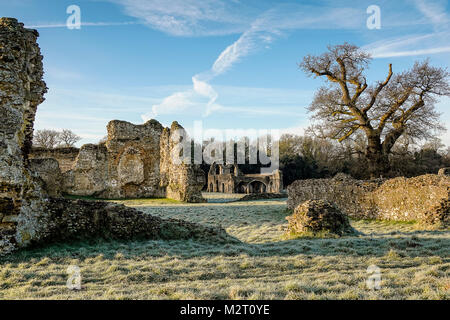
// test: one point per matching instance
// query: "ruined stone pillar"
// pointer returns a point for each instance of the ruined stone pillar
(183, 182)
(21, 91)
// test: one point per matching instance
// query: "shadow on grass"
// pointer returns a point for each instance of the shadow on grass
(397, 242)
(130, 201)
(409, 246)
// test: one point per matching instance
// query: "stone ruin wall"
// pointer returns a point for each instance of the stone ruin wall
(28, 214)
(125, 166)
(48, 173)
(65, 156)
(21, 91)
(134, 162)
(420, 198)
(182, 182)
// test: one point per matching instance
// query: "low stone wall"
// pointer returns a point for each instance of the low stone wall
(399, 199)
(79, 219)
(411, 199)
(354, 197)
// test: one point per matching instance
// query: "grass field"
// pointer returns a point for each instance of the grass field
(414, 262)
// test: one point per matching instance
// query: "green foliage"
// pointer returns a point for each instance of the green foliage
(294, 167)
(306, 157)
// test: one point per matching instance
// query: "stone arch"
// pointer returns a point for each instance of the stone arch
(241, 187)
(256, 186)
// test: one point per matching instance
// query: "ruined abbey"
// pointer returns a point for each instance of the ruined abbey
(134, 161)
(229, 179)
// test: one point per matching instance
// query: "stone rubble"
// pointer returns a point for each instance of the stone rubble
(319, 216)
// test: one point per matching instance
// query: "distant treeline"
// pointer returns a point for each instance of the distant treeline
(308, 157)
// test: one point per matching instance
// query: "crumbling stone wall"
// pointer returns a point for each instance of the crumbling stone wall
(89, 172)
(125, 166)
(412, 198)
(400, 199)
(354, 197)
(79, 219)
(27, 214)
(21, 91)
(182, 182)
(65, 156)
(47, 170)
(133, 159)
(134, 162)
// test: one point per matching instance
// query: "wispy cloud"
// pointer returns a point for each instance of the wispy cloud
(408, 53)
(418, 44)
(187, 18)
(62, 74)
(249, 41)
(83, 24)
(414, 45)
(435, 12)
(222, 17)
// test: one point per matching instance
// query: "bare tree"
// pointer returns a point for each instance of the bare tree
(46, 138)
(68, 138)
(401, 104)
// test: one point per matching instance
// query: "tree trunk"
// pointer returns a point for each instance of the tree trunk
(378, 160)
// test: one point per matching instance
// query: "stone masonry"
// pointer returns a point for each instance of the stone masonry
(65, 156)
(21, 91)
(423, 198)
(134, 162)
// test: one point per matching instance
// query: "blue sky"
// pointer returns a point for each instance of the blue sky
(230, 64)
